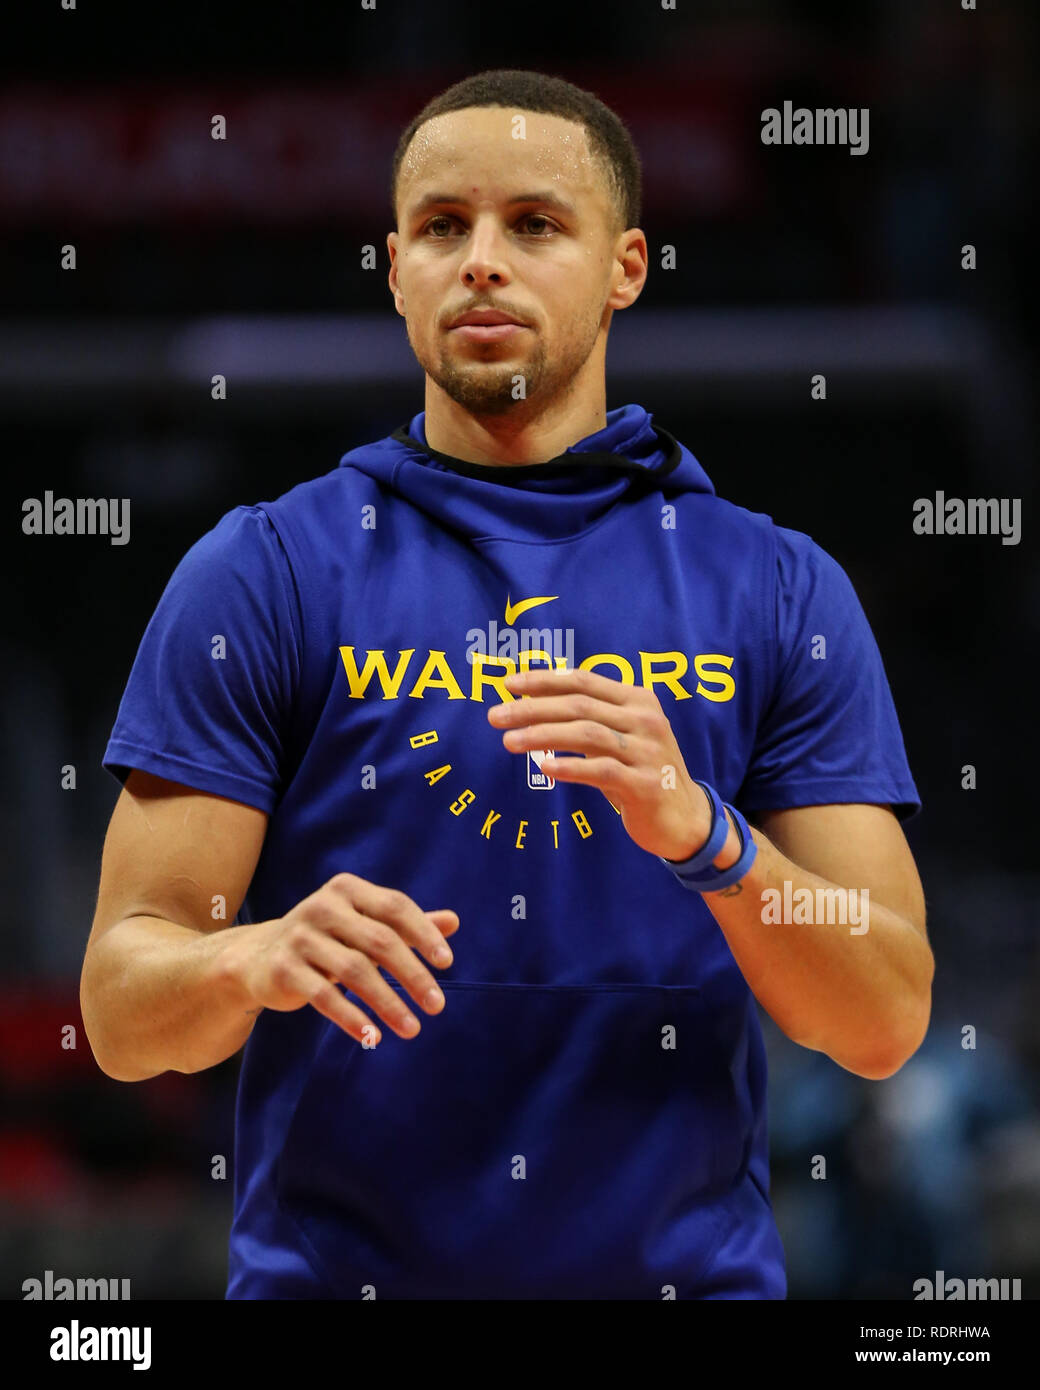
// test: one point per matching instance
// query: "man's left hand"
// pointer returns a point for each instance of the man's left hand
(630, 752)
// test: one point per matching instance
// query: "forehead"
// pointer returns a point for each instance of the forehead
(477, 149)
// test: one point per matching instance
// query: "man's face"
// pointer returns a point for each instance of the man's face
(525, 226)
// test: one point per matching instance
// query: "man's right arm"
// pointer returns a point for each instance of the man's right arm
(165, 987)
(155, 992)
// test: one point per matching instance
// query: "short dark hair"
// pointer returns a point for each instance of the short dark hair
(609, 140)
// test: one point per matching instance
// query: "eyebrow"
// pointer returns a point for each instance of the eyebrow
(544, 196)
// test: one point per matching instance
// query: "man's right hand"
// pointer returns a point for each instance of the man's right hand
(339, 935)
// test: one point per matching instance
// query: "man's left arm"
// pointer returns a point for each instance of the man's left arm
(861, 996)
(862, 993)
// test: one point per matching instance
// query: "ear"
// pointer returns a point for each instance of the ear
(631, 262)
(392, 244)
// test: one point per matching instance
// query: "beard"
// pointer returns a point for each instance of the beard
(489, 387)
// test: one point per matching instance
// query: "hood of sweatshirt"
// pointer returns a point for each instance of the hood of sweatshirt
(539, 501)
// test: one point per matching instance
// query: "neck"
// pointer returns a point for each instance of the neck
(513, 438)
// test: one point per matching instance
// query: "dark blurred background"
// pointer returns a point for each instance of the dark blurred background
(245, 257)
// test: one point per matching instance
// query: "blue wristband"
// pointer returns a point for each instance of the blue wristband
(722, 878)
(708, 882)
(717, 833)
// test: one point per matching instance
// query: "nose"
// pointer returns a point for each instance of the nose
(485, 262)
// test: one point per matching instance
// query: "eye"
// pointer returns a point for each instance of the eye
(440, 218)
(537, 217)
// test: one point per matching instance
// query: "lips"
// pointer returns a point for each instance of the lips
(486, 326)
(488, 332)
(485, 318)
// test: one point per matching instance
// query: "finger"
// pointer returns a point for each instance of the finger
(379, 942)
(579, 736)
(605, 773)
(542, 681)
(323, 995)
(353, 968)
(399, 911)
(514, 714)
(445, 919)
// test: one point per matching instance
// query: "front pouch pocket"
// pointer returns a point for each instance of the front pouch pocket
(531, 1141)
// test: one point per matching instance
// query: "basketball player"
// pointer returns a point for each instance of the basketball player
(343, 736)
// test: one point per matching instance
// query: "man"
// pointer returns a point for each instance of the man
(338, 730)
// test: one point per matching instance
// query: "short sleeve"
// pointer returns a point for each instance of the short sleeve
(211, 689)
(830, 733)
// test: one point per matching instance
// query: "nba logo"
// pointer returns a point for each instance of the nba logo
(538, 780)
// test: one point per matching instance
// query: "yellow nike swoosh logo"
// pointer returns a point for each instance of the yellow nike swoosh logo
(513, 610)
